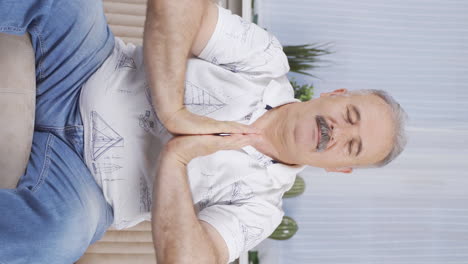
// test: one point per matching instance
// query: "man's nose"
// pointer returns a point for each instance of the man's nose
(343, 132)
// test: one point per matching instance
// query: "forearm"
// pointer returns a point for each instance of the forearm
(177, 233)
(170, 30)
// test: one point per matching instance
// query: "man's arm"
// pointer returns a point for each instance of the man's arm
(178, 235)
(174, 31)
(170, 31)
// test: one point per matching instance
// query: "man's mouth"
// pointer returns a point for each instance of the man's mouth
(323, 133)
(317, 136)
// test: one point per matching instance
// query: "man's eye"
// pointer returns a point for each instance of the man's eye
(350, 147)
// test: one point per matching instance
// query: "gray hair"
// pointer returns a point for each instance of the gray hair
(399, 117)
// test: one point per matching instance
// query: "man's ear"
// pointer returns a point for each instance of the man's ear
(342, 170)
(336, 92)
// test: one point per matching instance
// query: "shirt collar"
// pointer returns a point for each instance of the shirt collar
(274, 95)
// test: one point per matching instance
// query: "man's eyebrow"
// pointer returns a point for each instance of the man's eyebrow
(358, 118)
(359, 148)
(356, 111)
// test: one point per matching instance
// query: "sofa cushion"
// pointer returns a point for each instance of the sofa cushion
(17, 105)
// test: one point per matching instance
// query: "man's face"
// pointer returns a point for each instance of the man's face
(338, 131)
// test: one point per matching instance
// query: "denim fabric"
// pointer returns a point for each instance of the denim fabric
(57, 210)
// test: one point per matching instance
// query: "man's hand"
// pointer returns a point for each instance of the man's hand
(184, 122)
(185, 148)
(175, 31)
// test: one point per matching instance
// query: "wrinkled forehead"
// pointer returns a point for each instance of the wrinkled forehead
(377, 127)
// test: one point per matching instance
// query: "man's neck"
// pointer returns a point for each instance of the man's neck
(271, 126)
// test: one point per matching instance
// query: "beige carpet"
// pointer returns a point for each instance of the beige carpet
(131, 246)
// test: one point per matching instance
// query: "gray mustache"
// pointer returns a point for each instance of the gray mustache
(324, 131)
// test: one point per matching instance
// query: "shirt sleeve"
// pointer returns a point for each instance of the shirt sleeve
(242, 225)
(241, 46)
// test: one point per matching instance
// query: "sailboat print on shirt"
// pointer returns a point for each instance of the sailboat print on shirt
(104, 137)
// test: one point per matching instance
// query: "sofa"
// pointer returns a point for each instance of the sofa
(17, 103)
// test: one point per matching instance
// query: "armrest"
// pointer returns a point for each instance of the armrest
(17, 106)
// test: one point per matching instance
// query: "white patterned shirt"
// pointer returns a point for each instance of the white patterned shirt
(237, 77)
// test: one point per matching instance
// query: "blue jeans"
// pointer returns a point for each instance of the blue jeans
(57, 209)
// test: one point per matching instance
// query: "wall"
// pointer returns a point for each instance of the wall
(416, 209)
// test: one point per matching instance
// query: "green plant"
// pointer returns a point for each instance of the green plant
(254, 13)
(303, 92)
(303, 58)
(253, 257)
(297, 189)
(286, 229)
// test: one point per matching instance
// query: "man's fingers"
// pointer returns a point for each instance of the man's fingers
(236, 128)
(210, 126)
(186, 148)
(235, 141)
(187, 123)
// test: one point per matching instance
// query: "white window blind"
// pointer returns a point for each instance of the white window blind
(415, 211)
